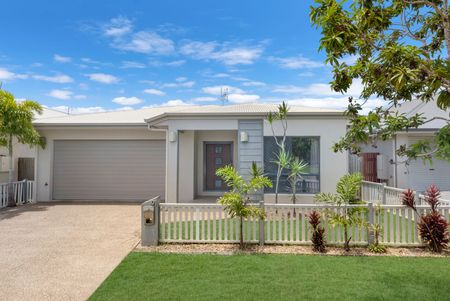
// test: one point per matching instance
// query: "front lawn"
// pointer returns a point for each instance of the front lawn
(155, 276)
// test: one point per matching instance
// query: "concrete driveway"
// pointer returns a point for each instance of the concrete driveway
(63, 251)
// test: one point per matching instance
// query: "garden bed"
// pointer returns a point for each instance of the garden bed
(231, 249)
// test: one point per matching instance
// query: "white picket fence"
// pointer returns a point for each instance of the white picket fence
(23, 193)
(380, 193)
(286, 224)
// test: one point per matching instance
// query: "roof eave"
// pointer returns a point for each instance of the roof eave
(161, 117)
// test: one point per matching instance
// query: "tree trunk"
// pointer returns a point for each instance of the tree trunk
(346, 240)
(277, 182)
(11, 200)
(241, 242)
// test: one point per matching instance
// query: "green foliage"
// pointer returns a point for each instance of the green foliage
(237, 201)
(375, 229)
(16, 120)
(347, 190)
(296, 169)
(401, 52)
(377, 249)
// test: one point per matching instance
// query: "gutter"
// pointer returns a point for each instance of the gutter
(229, 115)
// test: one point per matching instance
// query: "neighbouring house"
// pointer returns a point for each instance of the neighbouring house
(24, 164)
(380, 163)
(174, 152)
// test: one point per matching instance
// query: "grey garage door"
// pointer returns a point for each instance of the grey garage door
(108, 169)
(423, 174)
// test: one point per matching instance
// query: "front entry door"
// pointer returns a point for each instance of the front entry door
(217, 155)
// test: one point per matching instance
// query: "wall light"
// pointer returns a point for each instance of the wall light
(173, 136)
(244, 137)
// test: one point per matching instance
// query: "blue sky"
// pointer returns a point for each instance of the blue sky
(131, 54)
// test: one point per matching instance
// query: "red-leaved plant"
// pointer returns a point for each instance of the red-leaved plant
(318, 232)
(433, 227)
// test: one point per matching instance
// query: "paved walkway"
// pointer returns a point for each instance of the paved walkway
(63, 251)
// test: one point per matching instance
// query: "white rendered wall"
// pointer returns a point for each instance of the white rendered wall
(330, 130)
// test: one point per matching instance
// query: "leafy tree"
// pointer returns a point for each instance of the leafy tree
(347, 194)
(237, 201)
(282, 156)
(16, 122)
(401, 52)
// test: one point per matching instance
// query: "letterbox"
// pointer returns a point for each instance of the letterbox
(149, 213)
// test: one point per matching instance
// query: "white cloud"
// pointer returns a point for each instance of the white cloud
(220, 75)
(61, 94)
(154, 92)
(181, 79)
(175, 63)
(175, 103)
(79, 110)
(59, 79)
(8, 75)
(243, 98)
(121, 32)
(145, 42)
(296, 62)
(102, 78)
(80, 96)
(204, 99)
(61, 59)
(131, 64)
(127, 101)
(253, 84)
(118, 27)
(188, 84)
(217, 90)
(226, 53)
(320, 89)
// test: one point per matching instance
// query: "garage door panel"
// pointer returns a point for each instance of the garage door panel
(422, 174)
(108, 169)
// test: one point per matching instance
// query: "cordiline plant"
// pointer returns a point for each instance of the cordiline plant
(237, 201)
(318, 232)
(433, 227)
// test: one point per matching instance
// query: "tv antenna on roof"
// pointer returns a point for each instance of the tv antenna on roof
(224, 95)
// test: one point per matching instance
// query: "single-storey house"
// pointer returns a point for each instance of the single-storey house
(381, 163)
(174, 152)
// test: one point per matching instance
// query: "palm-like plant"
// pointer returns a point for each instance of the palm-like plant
(296, 169)
(237, 201)
(282, 156)
(16, 122)
(347, 194)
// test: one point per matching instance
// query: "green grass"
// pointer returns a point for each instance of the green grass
(153, 276)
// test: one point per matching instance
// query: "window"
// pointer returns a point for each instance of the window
(219, 161)
(218, 149)
(304, 148)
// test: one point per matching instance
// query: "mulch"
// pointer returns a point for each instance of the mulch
(233, 249)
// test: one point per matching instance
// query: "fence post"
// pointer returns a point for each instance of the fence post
(261, 225)
(383, 196)
(25, 191)
(150, 222)
(370, 220)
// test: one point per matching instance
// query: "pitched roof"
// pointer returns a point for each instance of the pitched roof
(427, 109)
(139, 117)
